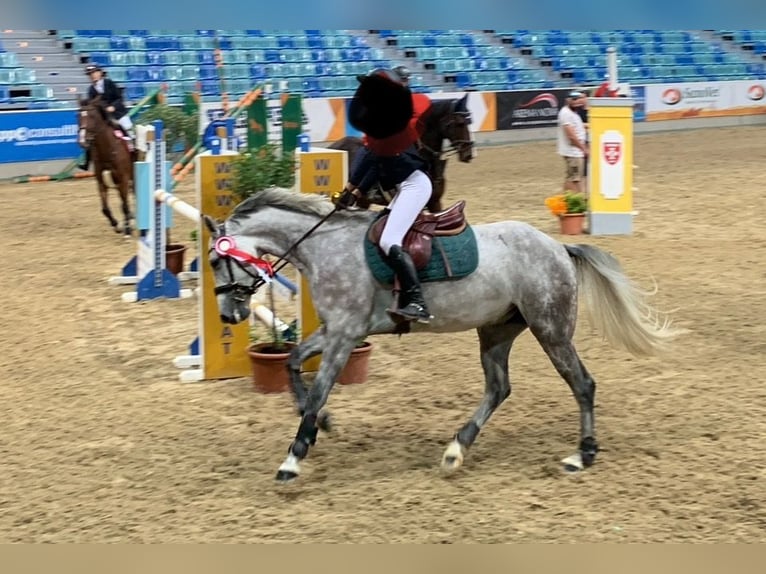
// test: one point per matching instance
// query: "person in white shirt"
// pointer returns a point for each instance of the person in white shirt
(572, 143)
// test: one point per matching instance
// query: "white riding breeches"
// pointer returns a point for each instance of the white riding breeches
(413, 195)
(125, 122)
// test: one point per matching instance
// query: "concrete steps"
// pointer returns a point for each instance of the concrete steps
(54, 66)
(398, 57)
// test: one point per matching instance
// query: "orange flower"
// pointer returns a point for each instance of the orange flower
(557, 204)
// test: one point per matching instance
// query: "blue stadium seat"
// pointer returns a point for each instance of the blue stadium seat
(134, 91)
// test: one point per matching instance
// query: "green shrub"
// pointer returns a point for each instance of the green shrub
(179, 127)
(576, 202)
(265, 167)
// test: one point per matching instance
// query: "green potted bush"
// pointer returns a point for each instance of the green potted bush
(268, 358)
(259, 169)
(570, 208)
(253, 172)
(357, 368)
(180, 128)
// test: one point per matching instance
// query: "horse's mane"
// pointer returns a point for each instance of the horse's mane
(98, 104)
(310, 203)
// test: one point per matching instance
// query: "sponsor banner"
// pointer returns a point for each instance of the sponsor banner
(482, 105)
(529, 108)
(705, 99)
(38, 135)
(748, 97)
(638, 94)
(325, 118)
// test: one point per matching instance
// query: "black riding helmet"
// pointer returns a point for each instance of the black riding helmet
(382, 104)
(90, 68)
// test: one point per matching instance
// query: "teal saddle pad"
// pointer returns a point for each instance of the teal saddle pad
(461, 252)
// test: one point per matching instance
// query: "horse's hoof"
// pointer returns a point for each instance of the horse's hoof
(324, 422)
(573, 463)
(285, 476)
(452, 458)
(451, 463)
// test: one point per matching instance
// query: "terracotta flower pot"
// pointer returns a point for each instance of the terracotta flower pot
(174, 257)
(269, 365)
(572, 223)
(358, 366)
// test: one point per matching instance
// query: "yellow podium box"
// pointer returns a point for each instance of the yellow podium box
(610, 177)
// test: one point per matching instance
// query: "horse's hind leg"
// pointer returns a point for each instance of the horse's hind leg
(495, 344)
(564, 357)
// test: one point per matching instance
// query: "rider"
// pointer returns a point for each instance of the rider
(112, 95)
(404, 74)
(392, 119)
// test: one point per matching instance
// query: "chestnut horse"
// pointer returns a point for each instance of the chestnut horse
(112, 160)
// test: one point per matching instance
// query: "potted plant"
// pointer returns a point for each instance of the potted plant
(264, 167)
(181, 129)
(570, 208)
(253, 172)
(357, 368)
(268, 359)
(174, 257)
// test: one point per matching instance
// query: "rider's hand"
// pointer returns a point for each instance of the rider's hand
(347, 199)
(110, 109)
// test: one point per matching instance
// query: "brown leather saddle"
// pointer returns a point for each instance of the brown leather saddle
(418, 241)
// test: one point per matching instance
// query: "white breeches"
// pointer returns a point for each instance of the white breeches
(413, 195)
(125, 122)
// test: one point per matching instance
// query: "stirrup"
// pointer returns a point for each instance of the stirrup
(413, 312)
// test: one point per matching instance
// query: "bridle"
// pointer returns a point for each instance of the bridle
(456, 146)
(259, 270)
(87, 111)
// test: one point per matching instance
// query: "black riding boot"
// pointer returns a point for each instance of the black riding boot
(412, 306)
(84, 165)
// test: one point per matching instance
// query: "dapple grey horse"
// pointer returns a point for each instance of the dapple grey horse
(524, 279)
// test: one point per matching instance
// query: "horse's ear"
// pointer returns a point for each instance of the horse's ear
(210, 224)
(462, 103)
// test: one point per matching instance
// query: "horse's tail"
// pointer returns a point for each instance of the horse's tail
(616, 306)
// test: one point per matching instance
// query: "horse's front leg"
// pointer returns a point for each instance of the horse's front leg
(103, 190)
(310, 347)
(334, 356)
(434, 204)
(124, 187)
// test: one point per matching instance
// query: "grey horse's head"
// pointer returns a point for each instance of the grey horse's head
(237, 273)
